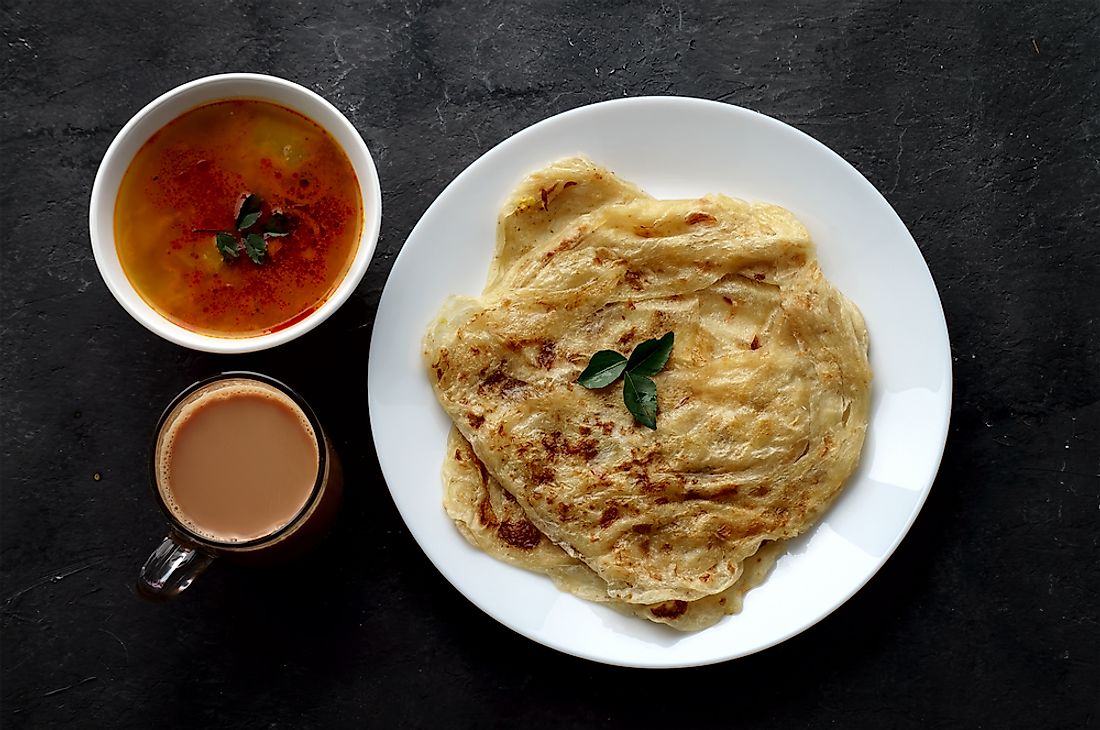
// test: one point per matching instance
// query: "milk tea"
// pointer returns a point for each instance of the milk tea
(237, 461)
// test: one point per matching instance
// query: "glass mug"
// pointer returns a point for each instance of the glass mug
(226, 496)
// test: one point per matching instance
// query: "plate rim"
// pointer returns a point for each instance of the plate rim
(940, 323)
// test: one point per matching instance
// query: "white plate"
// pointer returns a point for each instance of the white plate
(676, 147)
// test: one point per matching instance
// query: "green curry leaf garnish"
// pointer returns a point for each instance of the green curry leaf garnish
(256, 247)
(639, 391)
(251, 236)
(250, 212)
(227, 245)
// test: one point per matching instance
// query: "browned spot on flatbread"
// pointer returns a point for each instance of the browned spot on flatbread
(443, 359)
(754, 528)
(641, 458)
(556, 446)
(485, 513)
(633, 280)
(715, 494)
(552, 444)
(544, 193)
(609, 515)
(482, 472)
(545, 356)
(587, 449)
(501, 382)
(519, 534)
(541, 474)
(475, 420)
(700, 217)
(669, 609)
(565, 244)
(755, 344)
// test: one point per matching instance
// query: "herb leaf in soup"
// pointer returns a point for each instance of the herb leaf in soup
(277, 225)
(227, 245)
(256, 247)
(250, 212)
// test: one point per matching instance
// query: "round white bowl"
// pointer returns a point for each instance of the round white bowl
(163, 110)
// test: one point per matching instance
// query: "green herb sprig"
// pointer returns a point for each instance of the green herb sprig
(250, 236)
(639, 391)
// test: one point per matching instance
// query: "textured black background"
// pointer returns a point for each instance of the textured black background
(978, 122)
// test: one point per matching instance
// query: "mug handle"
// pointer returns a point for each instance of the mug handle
(171, 568)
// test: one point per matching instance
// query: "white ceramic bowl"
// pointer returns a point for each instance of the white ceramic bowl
(163, 110)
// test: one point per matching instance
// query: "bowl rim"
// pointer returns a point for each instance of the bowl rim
(336, 124)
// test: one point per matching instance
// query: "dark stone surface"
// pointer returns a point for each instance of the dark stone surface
(978, 122)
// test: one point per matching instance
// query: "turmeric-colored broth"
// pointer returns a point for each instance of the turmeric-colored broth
(194, 174)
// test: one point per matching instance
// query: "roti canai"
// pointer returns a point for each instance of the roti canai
(491, 519)
(763, 403)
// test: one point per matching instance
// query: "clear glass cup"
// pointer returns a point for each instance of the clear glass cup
(184, 553)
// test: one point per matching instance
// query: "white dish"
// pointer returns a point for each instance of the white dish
(677, 147)
(165, 108)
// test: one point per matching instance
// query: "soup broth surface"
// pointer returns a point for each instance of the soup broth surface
(190, 180)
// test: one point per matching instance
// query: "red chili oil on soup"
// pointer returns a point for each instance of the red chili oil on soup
(189, 181)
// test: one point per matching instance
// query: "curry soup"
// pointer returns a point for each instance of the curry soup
(184, 240)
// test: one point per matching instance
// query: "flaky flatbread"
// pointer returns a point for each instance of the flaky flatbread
(764, 402)
(491, 519)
